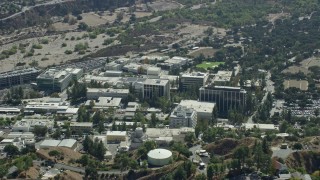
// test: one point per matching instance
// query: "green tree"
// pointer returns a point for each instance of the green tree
(40, 131)
(189, 137)
(210, 171)
(11, 150)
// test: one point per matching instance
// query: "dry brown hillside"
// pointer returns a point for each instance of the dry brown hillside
(226, 146)
(309, 160)
(66, 154)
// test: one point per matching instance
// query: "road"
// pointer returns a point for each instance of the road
(27, 8)
(268, 88)
(194, 156)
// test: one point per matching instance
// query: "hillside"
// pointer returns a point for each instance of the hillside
(226, 146)
(308, 160)
(65, 155)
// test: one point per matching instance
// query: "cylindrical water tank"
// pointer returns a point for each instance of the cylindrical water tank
(159, 157)
(139, 132)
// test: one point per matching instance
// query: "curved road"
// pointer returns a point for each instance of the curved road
(27, 8)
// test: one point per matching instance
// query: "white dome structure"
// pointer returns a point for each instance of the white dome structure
(139, 132)
(159, 157)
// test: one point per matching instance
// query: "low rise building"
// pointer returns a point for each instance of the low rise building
(95, 93)
(68, 143)
(183, 117)
(116, 136)
(204, 109)
(174, 62)
(27, 125)
(112, 73)
(48, 143)
(262, 127)
(113, 66)
(105, 103)
(165, 135)
(46, 107)
(84, 127)
(153, 72)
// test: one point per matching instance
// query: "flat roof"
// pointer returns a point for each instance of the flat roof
(260, 126)
(161, 82)
(116, 133)
(84, 124)
(67, 143)
(165, 132)
(50, 143)
(159, 153)
(198, 106)
(105, 102)
(107, 90)
(19, 72)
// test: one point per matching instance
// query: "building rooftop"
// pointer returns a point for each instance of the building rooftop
(165, 132)
(260, 126)
(157, 82)
(108, 90)
(181, 111)
(223, 76)
(83, 124)
(194, 75)
(116, 133)
(19, 72)
(46, 106)
(105, 102)
(50, 143)
(67, 143)
(54, 74)
(198, 106)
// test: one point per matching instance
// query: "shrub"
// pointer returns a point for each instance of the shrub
(68, 52)
(44, 41)
(64, 45)
(54, 153)
(36, 46)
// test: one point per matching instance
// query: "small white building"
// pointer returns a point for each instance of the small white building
(69, 143)
(49, 143)
(95, 93)
(116, 136)
(262, 127)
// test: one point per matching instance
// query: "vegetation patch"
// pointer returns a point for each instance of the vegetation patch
(206, 65)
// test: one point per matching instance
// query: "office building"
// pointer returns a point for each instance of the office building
(225, 97)
(156, 88)
(195, 79)
(204, 109)
(95, 93)
(36, 107)
(54, 80)
(183, 117)
(165, 135)
(17, 77)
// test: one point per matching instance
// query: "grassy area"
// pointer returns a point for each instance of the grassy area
(206, 65)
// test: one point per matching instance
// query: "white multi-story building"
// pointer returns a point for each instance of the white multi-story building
(195, 79)
(95, 93)
(183, 117)
(54, 80)
(204, 109)
(156, 88)
(76, 73)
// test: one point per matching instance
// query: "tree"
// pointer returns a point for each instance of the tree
(210, 171)
(40, 131)
(91, 173)
(201, 177)
(87, 143)
(189, 137)
(100, 151)
(297, 146)
(101, 127)
(316, 112)
(54, 153)
(153, 121)
(11, 150)
(180, 174)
